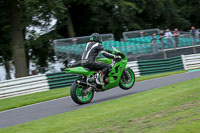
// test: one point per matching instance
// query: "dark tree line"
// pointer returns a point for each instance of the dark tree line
(81, 18)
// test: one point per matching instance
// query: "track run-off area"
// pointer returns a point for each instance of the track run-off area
(61, 105)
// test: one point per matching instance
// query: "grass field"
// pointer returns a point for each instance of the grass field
(20, 101)
(170, 109)
(146, 77)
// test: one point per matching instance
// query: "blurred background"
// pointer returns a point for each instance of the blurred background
(45, 36)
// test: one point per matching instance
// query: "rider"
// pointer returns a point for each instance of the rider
(89, 56)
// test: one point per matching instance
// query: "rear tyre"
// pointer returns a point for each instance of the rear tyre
(127, 79)
(78, 96)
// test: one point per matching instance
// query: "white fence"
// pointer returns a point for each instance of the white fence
(22, 86)
(134, 66)
(32, 84)
(191, 61)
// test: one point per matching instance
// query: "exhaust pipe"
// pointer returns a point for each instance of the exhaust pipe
(81, 83)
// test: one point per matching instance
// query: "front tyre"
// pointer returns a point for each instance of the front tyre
(78, 95)
(127, 79)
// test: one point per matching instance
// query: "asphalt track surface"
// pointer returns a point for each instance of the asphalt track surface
(61, 105)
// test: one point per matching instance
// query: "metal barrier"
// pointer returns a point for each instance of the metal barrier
(134, 66)
(140, 33)
(160, 65)
(184, 40)
(60, 79)
(32, 84)
(141, 42)
(22, 86)
(136, 44)
(191, 61)
(73, 47)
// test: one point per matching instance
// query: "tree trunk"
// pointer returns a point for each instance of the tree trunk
(70, 26)
(27, 62)
(17, 40)
(7, 67)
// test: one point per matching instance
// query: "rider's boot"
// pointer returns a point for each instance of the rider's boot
(100, 77)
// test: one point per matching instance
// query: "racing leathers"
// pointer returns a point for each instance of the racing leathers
(89, 57)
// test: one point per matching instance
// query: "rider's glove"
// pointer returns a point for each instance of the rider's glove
(69, 65)
(117, 57)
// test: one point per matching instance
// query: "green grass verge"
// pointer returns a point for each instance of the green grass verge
(170, 109)
(146, 77)
(19, 101)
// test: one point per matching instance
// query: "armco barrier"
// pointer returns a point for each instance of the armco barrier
(32, 84)
(160, 65)
(191, 61)
(22, 86)
(60, 79)
(134, 66)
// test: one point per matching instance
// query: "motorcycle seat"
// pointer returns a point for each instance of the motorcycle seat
(88, 69)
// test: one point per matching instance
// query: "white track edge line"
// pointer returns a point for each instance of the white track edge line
(33, 104)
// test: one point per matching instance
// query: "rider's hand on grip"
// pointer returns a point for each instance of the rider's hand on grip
(69, 65)
(118, 58)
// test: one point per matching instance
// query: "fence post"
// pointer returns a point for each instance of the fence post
(194, 50)
(164, 54)
(184, 62)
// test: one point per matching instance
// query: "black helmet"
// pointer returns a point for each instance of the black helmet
(96, 37)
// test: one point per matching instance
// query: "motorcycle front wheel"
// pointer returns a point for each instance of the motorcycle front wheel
(127, 79)
(78, 95)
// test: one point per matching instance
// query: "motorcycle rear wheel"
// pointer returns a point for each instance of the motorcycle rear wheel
(128, 83)
(78, 96)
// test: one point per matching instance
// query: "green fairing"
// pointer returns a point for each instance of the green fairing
(115, 82)
(116, 50)
(82, 90)
(114, 75)
(105, 60)
(79, 70)
(132, 80)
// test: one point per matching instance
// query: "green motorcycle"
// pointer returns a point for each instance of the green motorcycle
(82, 90)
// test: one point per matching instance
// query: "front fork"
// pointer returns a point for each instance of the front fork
(125, 74)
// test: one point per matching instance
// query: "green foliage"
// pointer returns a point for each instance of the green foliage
(5, 49)
(19, 101)
(103, 16)
(189, 10)
(41, 50)
(39, 13)
(109, 16)
(88, 16)
(35, 13)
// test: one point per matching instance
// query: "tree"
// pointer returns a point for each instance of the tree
(5, 50)
(104, 16)
(189, 10)
(41, 49)
(17, 39)
(163, 14)
(81, 18)
(24, 13)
